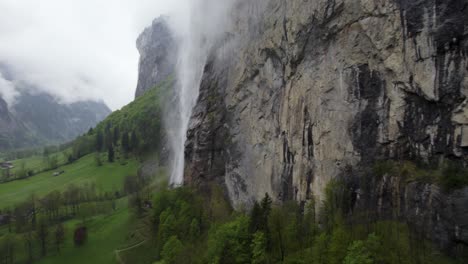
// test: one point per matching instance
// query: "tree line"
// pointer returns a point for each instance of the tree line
(189, 227)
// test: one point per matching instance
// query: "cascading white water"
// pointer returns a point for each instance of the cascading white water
(196, 31)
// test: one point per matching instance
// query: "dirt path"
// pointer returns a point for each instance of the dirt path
(118, 251)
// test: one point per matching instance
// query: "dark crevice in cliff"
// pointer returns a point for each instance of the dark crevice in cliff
(369, 91)
(307, 135)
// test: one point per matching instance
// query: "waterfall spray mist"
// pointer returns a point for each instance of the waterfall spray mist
(196, 31)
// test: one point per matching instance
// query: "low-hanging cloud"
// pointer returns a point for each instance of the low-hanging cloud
(76, 50)
(7, 90)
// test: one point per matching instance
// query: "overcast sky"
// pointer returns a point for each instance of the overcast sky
(76, 49)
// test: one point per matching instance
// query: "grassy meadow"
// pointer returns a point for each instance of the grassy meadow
(108, 178)
(106, 233)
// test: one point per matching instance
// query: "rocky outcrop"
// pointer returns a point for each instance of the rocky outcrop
(158, 55)
(302, 91)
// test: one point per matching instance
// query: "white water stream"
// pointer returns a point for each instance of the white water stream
(196, 30)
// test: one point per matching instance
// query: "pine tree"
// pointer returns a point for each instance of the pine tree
(125, 142)
(266, 210)
(99, 141)
(108, 136)
(256, 218)
(116, 135)
(134, 141)
(111, 154)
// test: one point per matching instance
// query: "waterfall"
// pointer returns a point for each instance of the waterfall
(196, 31)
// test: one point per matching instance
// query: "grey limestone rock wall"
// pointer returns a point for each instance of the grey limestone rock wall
(301, 91)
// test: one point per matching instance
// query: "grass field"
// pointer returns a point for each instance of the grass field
(37, 164)
(105, 234)
(108, 177)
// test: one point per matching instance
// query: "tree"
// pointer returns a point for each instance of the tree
(309, 226)
(358, 254)
(97, 159)
(194, 230)
(72, 197)
(259, 216)
(22, 172)
(29, 239)
(7, 248)
(230, 243)
(134, 142)
(266, 204)
(99, 141)
(364, 252)
(259, 247)
(108, 141)
(42, 235)
(111, 154)
(116, 136)
(51, 204)
(320, 249)
(125, 142)
(52, 162)
(131, 184)
(338, 245)
(59, 236)
(6, 174)
(167, 226)
(277, 223)
(46, 152)
(256, 218)
(32, 203)
(172, 250)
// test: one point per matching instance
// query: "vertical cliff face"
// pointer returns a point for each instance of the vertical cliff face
(303, 92)
(157, 55)
(331, 84)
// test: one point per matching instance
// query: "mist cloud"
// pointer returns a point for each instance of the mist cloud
(76, 49)
(7, 90)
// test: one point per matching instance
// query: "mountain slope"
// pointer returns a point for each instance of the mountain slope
(37, 119)
(12, 132)
(56, 122)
